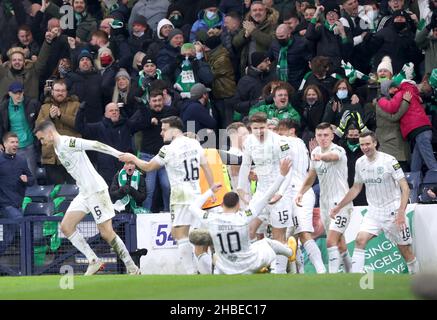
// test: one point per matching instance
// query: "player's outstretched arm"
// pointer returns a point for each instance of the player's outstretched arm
(350, 195)
(141, 164)
(196, 205)
(257, 206)
(329, 157)
(93, 145)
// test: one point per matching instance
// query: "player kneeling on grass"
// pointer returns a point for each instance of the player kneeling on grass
(93, 195)
(229, 230)
(387, 194)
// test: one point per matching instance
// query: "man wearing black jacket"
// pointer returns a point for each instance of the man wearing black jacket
(152, 142)
(15, 176)
(112, 130)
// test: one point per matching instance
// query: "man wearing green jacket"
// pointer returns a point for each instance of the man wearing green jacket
(280, 108)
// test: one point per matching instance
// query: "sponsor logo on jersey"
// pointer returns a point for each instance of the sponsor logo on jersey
(248, 212)
(72, 143)
(371, 180)
(396, 166)
(285, 147)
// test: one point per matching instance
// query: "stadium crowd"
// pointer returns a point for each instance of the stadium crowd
(111, 70)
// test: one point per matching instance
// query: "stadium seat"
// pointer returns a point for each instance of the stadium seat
(430, 180)
(39, 209)
(68, 191)
(64, 206)
(41, 177)
(39, 193)
(414, 180)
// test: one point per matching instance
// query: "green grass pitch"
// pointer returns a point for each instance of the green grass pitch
(206, 287)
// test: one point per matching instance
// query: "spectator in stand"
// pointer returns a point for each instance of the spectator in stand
(388, 129)
(149, 73)
(176, 17)
(141, 35)
(231, 27)
(209, 17)
(257, 33)
(25, 71)
(86, 83)
(351, 145)
(15, 176)
(250, 86)
(18, 113)
(151, 144)
(112, 130)
(84, 23)
(128, 189)
(426, 40)
(26, 41)
(223, 86)
(123, 95)
(290, 54)
(311, 110)
(196, 113)
(61, 109)
(152, 10)
(166, 59)
(160, 38)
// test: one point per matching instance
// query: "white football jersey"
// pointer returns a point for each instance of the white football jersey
(381, 178)
(332, 175)
(71, 153)
(300, 161)
(182, 163)
(266, 156)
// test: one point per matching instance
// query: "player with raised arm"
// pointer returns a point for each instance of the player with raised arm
(387, 194)
(229, 230)
(182, 159)
(302, 216)
(93, 195)
(265, 149)
(329, 164)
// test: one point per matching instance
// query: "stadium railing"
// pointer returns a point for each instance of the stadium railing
(41, 248)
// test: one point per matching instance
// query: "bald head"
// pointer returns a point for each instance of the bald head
(283, 34)
(112, 111)
(283, 31)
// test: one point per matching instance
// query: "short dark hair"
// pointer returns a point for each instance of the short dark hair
(46, 124)
(8, 135)
(155, 93)
(323, 125)
(290, 14)
(61, 82)
(159, 84)
(369, 134)
(231, 199)
(233, 15)
(288, 123)
(174, 122)
(259, 117)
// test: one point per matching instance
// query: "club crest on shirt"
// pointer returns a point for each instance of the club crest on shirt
(396, 166)
(285, 147)
(161, 154)
(72, 143)
(248, 212)
(380, 170)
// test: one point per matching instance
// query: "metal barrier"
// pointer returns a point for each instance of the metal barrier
(41, 248)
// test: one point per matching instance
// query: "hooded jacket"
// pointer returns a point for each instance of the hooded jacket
(415, 117)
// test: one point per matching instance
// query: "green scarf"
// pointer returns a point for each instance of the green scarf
(352, 147)
(282, 65)
(185, 80)
(145, 97)
(120, 205)
(211, 23)
(328, 26)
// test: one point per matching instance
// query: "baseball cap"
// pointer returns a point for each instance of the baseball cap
(198, 90)
(16, 87)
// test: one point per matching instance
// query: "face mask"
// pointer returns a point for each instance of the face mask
(176, 20)
(63, 70)
(353, 141)
(138, 34)
(282, 42)
(399, 25)
(210, 15)
(342, 94)
(199, 55)
(105, 61)
(311, 101)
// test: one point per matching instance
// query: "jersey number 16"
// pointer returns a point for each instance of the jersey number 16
(193, 173)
